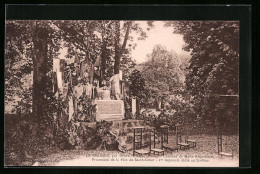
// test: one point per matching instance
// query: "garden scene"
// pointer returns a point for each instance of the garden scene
(79, 93)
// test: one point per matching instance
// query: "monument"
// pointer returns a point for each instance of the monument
(110, 106)
(83, 86)
(109, 110)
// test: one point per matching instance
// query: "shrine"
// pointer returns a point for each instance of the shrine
(88, 96)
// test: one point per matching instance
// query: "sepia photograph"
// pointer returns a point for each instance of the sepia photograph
(121, 93)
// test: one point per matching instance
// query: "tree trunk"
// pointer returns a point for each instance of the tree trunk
(39, 71)
(126, 37)
(119, 51)
(103, 59)
(117, 48)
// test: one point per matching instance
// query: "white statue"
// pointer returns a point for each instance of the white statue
(115, 86)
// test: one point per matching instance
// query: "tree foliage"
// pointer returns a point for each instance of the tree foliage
(137, 85)
(213, 68)
(30, 48)
(111, 40)
(32, 45)
(163, 72)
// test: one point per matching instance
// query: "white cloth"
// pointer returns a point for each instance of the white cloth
(116, 85)
(120, 75)
(59, 81)
(133, 106)
(56, 65)
(71, 110)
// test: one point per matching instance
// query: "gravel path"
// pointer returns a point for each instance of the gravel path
(204, 155)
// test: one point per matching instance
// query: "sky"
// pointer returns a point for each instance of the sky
(157, 35)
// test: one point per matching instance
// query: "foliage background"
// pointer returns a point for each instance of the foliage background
(189, 87)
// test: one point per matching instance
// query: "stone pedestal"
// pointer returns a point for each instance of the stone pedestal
(109, 110)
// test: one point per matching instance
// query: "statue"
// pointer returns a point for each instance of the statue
(115, 86)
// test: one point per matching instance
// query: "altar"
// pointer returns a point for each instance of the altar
(88, 95)
(109, 110)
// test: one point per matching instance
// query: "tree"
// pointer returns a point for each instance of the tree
(92, 39)
(136, 84)
(163, 72)
(128, 27)
(30, 47)
(213, 68)
(137, 87)
(119, 51)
